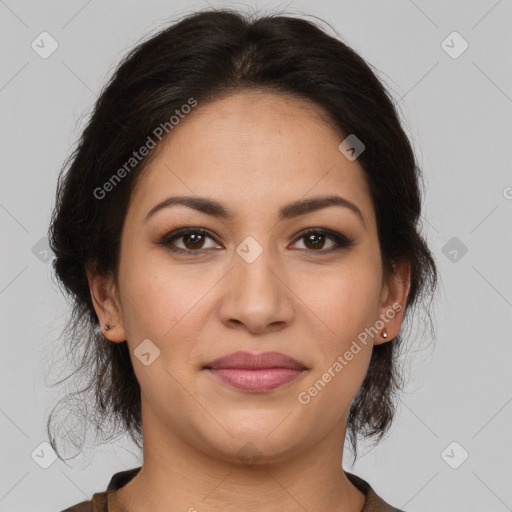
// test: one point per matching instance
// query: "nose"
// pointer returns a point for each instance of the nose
(256, 295)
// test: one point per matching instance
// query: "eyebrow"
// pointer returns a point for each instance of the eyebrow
(288, 211)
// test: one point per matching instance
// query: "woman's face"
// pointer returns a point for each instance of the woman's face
(246, 277)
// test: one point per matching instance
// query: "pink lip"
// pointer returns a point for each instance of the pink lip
(256, 372)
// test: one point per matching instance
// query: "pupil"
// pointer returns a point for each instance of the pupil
(195, 239)
(315, 240)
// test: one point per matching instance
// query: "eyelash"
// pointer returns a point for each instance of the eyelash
(341, 240)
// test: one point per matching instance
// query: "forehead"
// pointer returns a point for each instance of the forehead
(255, 148)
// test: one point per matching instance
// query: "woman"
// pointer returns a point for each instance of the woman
(238, 229)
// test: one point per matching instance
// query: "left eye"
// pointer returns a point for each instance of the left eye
(193, 240)
(315, 240)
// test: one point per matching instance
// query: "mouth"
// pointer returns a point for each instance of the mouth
(255, 372)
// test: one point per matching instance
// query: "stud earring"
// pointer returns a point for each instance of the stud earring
(108, 326)
(384, 334)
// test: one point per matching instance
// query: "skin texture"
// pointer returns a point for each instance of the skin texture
(254, 152)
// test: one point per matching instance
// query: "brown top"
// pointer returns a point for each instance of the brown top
(107, 501)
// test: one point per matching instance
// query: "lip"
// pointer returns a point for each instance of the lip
(255, 372)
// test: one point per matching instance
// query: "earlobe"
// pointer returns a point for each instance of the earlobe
(393, 301)
(106, 305)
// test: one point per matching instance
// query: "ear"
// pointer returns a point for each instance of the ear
(107, 306)
(395, 291)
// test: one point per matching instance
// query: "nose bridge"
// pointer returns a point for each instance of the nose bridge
(255, 295)
(255, 267)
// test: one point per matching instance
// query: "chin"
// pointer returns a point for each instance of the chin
(264, 441)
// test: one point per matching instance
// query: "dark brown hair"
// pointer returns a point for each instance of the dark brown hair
(203, 56)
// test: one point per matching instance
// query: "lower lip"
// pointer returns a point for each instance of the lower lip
(256, 380)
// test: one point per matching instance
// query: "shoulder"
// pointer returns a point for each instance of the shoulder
(106, 501)
(98, 503)
(373, 503)
(84, 506)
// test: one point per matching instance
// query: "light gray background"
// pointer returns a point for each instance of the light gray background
(458, 114)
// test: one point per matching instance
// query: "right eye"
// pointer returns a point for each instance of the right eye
(192, 240)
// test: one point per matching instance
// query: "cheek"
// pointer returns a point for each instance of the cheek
(346, 307)
(345, 300)
(160, 302)
(342, 305)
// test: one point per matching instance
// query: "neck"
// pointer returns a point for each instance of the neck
(176, 476)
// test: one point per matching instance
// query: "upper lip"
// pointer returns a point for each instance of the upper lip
(246, 360)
